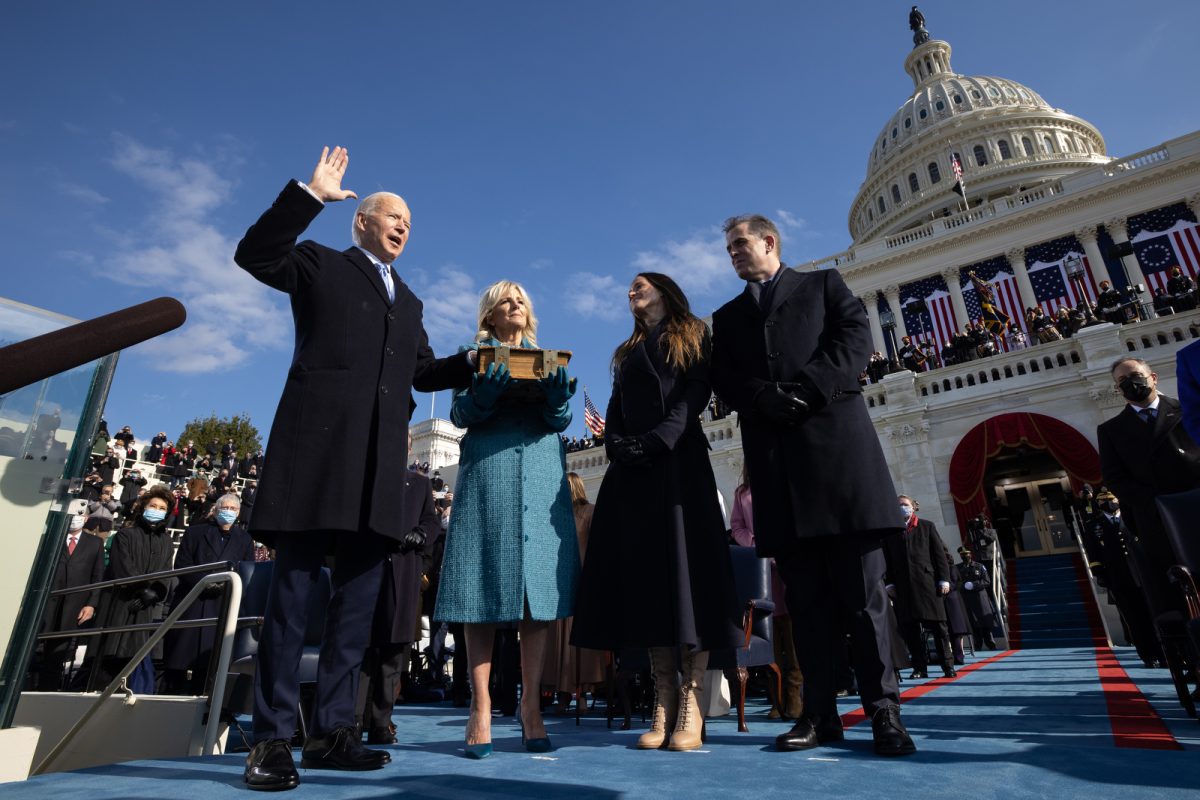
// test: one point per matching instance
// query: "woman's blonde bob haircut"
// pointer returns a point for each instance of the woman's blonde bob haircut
(491, 297)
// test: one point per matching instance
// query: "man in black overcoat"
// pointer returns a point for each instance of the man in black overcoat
(217, 538)
(918, 576)
(976, 584)
(81, 562)
(338, 445)
(398, 610)
(1144, 452)
(787, 353)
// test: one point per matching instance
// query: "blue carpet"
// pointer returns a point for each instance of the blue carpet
(1051, 605)
(1031, 725)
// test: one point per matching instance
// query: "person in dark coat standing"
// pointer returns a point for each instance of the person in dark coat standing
(81, 562)
(216, 538)
(1145, 451)
(657, 531)
(142, 547)
(975, 582)
(337, 446)
(918, 576)
(397, 611)
(787, 353)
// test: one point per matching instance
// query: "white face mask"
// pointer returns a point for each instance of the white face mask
(907, 511)
(76, 524)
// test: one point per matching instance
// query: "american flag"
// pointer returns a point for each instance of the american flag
(1052, 288)
(591, 417)
(937, 323)
(960, 185)
(1167, 240)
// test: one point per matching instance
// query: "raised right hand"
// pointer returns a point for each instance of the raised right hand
(326, 181)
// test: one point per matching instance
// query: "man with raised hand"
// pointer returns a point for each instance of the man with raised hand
(337, 448)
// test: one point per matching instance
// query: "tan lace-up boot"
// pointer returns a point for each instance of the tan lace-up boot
(689, 724)
(666, 698)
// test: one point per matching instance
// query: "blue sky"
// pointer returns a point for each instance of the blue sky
(563, 145)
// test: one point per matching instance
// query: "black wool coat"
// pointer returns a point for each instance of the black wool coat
(339, 442)
(84, 566)
(137, 549)
(827, 476)
(191, 648)
(916, 563)
(658, 571)
(399, 604)
(1140, 462)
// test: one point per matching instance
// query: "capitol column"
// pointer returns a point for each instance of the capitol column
(871, 301)
(1087, 237)
(954, 283)
(892, 293)
(1016, 260)
(1120, 235)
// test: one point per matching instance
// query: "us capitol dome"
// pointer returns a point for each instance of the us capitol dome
(1007, 138)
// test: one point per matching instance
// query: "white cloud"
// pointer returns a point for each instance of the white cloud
(83, 193)
(451, 302)
(794, 226)
(178, 252)
(541, 263)
(698, 264)
(600, 296)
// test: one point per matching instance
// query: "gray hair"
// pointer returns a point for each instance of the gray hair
(228, 496)
(367, 207)
(759, 225)
(1127, 359)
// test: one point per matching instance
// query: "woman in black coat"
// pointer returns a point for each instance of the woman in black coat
(657, 532)
(140, 548)
(215, 538)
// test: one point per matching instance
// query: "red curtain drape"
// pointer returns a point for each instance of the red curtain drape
(1036, 431)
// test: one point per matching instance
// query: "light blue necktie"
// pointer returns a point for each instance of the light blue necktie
(385, 272)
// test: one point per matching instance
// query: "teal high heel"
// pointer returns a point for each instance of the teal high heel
(538, 745)
(478, 751)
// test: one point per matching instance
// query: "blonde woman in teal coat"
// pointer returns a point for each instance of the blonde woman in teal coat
(511, 550)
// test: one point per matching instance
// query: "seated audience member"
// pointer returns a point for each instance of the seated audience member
(1181, 289)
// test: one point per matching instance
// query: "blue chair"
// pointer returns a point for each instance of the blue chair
(752, 579)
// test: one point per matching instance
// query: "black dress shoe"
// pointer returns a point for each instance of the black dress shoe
(808, 733)
(891, 739)
(341, 748)
(270, 768)
(917, 674)
(381, 736)
(949, 671)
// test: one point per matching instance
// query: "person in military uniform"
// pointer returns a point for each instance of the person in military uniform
(975, 582)
(1108, 303)
(1181, 289)
(1106, 540)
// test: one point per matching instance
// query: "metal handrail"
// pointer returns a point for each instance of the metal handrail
(222, 665)
(184, 624)
(149, 576)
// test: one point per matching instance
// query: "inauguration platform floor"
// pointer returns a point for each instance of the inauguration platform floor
(1054, 722)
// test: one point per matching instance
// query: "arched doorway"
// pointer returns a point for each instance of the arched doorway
(1021, 469)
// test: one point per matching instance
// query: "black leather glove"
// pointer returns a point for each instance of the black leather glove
(781, 406)
(211, 591)
(413, 540)
(144, 598)
(634, 449)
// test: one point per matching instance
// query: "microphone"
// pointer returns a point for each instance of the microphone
(38, 358)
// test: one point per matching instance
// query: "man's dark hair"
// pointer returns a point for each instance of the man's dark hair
(760, 226)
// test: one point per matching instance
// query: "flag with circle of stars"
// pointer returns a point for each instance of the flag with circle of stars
(1052, 287)
(1165, 238)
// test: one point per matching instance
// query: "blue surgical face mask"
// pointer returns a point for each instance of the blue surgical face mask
(906, 511)
(226, 517)
(154, 515)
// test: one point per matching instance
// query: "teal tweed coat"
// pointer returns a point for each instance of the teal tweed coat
(512, 533)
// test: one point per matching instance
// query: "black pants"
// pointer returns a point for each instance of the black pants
(356, 578)
(379, 684)
(835, 586)
(914, 637)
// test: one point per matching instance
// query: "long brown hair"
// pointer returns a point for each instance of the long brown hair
(683, 335)
(578, 492)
